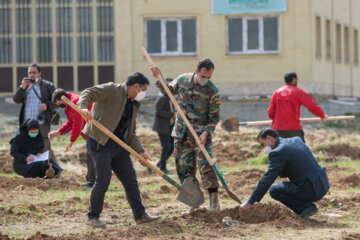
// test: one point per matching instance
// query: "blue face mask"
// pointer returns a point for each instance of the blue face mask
(33, 135)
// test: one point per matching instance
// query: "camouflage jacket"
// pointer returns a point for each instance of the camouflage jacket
(201, 104)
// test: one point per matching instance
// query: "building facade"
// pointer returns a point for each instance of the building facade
(252, 42)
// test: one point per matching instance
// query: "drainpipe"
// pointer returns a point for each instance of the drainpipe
(351, 50)
(333, 47)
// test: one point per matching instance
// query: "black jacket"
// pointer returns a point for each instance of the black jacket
(163, 115)
(47, 89)
(22, 145)
(293, 159)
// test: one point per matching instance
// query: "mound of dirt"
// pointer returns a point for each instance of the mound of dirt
(351, 236)
(351, 181)
(260, 213)
(336, 150)
(20, 184)
(5, 161)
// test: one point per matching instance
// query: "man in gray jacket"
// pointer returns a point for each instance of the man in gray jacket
(115, 106)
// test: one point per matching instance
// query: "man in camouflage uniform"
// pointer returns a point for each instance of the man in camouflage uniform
(200, 101)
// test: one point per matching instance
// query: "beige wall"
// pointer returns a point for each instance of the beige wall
(240, 74)
(331, 76)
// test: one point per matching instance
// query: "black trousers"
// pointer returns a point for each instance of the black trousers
(108, 158)
(167, 146)
(90, 176)
(291, 133)
(294, 196)
(35, 169)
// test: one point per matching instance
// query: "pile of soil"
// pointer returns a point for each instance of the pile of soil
(5, 161)
(20, 184)
(351, 236)
(335, 150)
(351, 181)
(260, 213)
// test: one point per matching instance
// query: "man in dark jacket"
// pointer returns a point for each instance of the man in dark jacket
(35, 95)
(115, 106)
(290, 158)
(163, 125)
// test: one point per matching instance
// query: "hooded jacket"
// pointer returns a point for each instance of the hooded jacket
(22, 145)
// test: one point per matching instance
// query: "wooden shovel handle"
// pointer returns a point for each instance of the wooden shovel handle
(314, 119)
(114, 138)
(178, 108)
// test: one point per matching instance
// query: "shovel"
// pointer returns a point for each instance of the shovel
(232, 124)
(191, 129)
(189, 193)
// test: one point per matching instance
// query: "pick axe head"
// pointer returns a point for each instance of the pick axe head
(190, 193)
(231, 124)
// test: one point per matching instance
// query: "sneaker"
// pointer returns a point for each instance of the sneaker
(146, 218)
(96, 223)
(308, 212)
(88, 185)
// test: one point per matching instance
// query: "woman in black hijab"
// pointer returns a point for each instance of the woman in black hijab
(30, 141)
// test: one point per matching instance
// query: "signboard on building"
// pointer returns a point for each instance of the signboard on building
(226, 7)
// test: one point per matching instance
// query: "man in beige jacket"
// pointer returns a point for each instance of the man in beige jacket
(115, 106)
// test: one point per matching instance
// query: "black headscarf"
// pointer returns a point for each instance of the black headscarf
(22, 144)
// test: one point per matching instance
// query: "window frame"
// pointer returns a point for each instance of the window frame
(163, 35)
(245, 50)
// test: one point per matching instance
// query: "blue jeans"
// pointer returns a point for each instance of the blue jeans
(297, 197)
(115, 158)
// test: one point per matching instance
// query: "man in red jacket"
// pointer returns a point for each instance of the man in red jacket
(284, 108)
(74, 123)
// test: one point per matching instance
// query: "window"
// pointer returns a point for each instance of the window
(318, 37)
(44, 49)
(328, 40)
(23, 20)
(106, 74)
(84, 19)
(253, 35)
(43, 20)
(171, 36)
(66, 78)
(5, 50)
(106, 48)
(85, 49)
(338, 42)
(6, 80)
(64, 49)
(23, 50)
(63, 20)
(5, 20)
(85, 77)
(346, 45)
(356, 47)
(105, 22)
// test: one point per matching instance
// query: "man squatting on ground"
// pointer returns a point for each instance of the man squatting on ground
(115, 106)
(74, 124)
(200, 101)
(290, 158)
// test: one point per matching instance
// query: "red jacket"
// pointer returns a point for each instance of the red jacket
(74, 122)
(284, 107)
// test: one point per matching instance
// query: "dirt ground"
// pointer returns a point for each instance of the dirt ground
(40, 209)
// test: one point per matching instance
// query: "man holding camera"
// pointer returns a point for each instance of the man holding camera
(35, 95)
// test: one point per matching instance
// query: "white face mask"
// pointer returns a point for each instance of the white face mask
(140, 96)
(267, 149)
(202, 81)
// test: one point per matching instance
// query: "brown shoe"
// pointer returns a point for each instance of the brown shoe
(50, 172)
(146, 219)
(95, 223)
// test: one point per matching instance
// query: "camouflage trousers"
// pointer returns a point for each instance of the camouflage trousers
(188, 156)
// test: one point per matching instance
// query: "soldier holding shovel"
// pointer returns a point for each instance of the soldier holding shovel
(200, 101)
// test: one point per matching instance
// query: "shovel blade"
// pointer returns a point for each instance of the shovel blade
(231, 124)
(233, 196)
(190, 193)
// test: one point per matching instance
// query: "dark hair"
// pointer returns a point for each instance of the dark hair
(205, 63)
(137, 78)
(289, 77)
(35, 65)
(58, 93)
(267, 132)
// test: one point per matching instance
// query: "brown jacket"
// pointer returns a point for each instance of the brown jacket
(109, 102)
